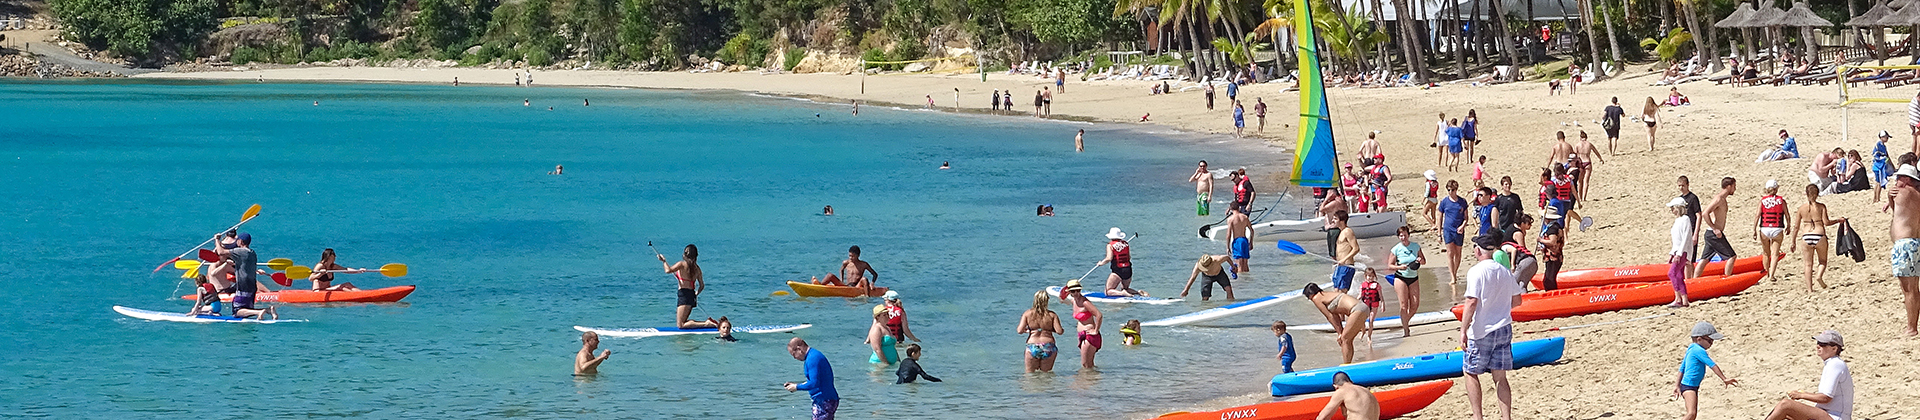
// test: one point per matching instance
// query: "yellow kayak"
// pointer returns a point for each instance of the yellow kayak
(821, 290)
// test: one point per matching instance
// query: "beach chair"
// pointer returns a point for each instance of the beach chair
(1899, 77)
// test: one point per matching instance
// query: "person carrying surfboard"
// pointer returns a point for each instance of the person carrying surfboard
(692, 283)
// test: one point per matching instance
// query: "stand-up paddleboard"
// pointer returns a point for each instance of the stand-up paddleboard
(660, 332)
(1103, 298)
(1410, 369)
(202, 319)
(1388, 323)
(1226, 311)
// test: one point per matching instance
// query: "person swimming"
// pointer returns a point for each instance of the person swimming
(945, 165)
(558, 170)
(828, 211)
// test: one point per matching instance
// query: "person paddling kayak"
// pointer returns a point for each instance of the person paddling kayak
(322, 276)
(692, 282)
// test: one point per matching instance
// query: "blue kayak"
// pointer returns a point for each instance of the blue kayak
(1410, 369)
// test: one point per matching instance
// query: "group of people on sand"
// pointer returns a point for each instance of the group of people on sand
(235, 277)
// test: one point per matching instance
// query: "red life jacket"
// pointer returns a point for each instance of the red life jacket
(1562, 189)
(1122, 255)
(1433, 189)
(1773, 211)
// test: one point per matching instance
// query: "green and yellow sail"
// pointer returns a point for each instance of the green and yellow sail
(1315, 159)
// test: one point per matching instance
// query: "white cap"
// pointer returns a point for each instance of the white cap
(1772, 184)
(1677, 202)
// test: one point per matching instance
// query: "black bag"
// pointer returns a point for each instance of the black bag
(1847, 243)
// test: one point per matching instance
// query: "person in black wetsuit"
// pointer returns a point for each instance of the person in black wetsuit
(910, 367)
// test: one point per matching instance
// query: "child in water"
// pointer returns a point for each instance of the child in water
(910, 367)
(1130, 333)
(1286, 346)
(726, 331)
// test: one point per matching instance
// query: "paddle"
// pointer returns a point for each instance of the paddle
(244, 217)
(277, 264)
(389, 270)
(1295, 249)
(1083, 277)
(282, 280)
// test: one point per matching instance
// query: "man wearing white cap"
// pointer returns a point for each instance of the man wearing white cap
(1835, 399)
(1904, 199)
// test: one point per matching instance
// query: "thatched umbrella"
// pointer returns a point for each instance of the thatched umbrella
(1872, 18)
(1907, 16)
(1804, 18)
(1768, 18)
(1738, 20)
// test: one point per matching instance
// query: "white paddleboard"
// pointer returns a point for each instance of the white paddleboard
(1226, 311)
(1388, 323)
(1102, 297)
(660, 332)
(201, 319)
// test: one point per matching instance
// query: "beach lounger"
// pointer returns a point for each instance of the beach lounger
(1721, 79)
(1898, 78)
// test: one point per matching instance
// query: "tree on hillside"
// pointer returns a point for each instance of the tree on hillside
(145, 31)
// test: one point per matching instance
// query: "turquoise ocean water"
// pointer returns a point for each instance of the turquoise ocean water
(106, 180)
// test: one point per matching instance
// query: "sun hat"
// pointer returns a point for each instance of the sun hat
(1430, 175)
(1116, 234)
(879, 309)
(1677, 202)
(1072, 286)
(1772, 184)
(1706, 329)
(891, 295)
(1908, 171)
(1829, 337)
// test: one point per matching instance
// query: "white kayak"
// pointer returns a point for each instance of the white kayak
(201, 319)
(660, 332)
(1388, 323)
(1364, 225)
(1225, 311)
(1103, 298)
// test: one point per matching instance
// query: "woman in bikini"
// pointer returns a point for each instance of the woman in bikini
(1810, 225)
(1648, 115)
(1087, 319)
(1040, 325)
(1770, 225)
(322, 276)
(1336, 306)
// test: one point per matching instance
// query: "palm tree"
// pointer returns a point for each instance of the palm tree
(1410, 46)
(1593, 44)
(1279, 18)
(1693, 26)
(1349, 35)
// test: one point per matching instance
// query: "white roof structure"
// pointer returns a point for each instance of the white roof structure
(1435, 9)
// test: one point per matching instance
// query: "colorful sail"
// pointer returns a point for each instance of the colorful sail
(1315, 160)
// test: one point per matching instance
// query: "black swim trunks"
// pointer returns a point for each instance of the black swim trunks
(1206, 286)
(687, 298)
(1716, 244)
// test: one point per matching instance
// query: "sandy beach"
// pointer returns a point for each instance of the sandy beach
(1623, 370)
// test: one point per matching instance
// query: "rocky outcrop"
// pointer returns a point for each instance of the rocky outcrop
(22, 65)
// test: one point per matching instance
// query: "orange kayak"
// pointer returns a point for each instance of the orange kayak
(1591, 277)
(1593, 300)
(1393, 403)
(821, 290)
(389, 294)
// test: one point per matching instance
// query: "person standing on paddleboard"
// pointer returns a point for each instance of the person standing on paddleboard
(1120, 283)
(819, 384)
(692, 283)
(245, 265)
(1202, 189)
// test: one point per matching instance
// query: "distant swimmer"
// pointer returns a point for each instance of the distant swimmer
(526, 102)
(585, 102)
(557, 170)
(692, 282)
(1356, 401)
(549, 108)
(1045, 210)
(828, 211)
(584, 362)
(1080, 139)
(316, 103)
(856, 107)
(456, 80)
(945, 165)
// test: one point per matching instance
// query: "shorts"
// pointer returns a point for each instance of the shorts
(1490, 353)
(1042, 350)
(1206, 285)
(824, 410)
(1093, 339)
(1613, 133)
(1242, 248)
(1880, 173)
(887, 343)
(1203, 203)
(1904, 252)
(1685, 388)
(1560, 207)
(1716, 244)
(1452, 237)
(688, 298)
(1343, 277)
(242, 300)
(1125, 273)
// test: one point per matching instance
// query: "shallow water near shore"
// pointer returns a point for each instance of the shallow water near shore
(109, 179)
